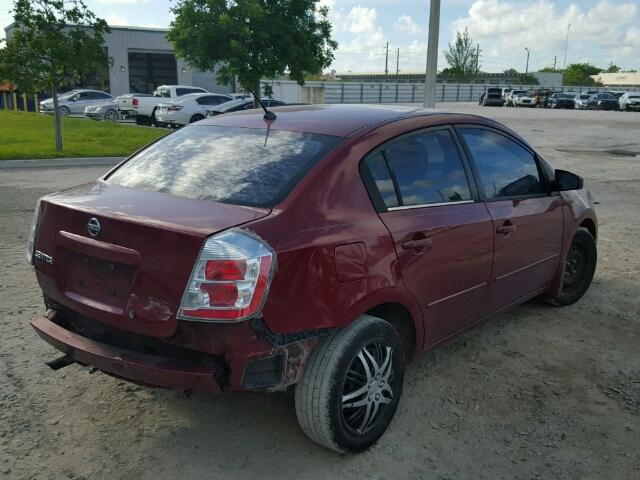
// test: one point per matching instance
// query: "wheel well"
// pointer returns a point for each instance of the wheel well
(400, 318)
(589, 225)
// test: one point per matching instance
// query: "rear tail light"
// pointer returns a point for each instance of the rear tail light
(134, 102)
(174, 108)
(230, 280)
(31, 243)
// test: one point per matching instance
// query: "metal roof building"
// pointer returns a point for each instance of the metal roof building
(143, 59)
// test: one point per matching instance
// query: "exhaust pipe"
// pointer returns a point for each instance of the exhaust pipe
(60, 362)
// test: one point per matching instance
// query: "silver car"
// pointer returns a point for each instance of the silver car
(75, 101)
(109, 109)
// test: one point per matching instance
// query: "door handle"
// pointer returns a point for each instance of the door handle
(506, 229)
(417, 242)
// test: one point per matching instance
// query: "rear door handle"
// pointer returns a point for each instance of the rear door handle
(507, 228)
(417, 242)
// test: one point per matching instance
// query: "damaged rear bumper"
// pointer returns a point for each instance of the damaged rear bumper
(141, 368)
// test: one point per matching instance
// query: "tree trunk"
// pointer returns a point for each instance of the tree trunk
(57, 127)
(257, 94)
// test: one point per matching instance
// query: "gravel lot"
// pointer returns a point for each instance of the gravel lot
(537, 393)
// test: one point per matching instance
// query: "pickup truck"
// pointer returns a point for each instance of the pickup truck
(143, 107)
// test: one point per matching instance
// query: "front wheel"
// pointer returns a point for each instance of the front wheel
(111, 115)
(579, 268)
(63, 111)
(351, 386)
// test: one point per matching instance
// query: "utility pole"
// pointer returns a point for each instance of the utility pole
(432, 55)
(386, 61)
(398, 64)
(566, 46)
(526, 69)
(478, 58)
(555, 59)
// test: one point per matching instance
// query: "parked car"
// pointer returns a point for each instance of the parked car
(511, 97)
(324, 248)
(239, 105)
(505, 93)
(603, 101)
(523, 99)
(126, 106)
(630, 101)
(188, 108)
(103, 111)
(492, 97)
(75, 101)
(561, 100)
(580, 101)
(617, 93)
(144, 107)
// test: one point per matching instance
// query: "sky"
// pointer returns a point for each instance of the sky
(601, 31)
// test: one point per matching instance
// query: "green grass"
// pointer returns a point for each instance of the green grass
(30, 135)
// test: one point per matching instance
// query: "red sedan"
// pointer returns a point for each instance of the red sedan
(325, 247)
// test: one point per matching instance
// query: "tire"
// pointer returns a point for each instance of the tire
(64, 111)
(580, 266)
(111, 115)
(142, 120)
(196, 118)
(336, 366)
(152, 119)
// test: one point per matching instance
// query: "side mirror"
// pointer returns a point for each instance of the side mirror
(567, 181)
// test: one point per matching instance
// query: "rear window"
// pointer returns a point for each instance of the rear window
(241, 166)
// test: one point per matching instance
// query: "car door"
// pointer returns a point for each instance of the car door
(528, 220)
(82, 99)
(442, 233)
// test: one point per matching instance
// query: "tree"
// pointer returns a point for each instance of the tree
(462, 57)
(580, 74)
(512, 72)
(550, 70)
(53, 41)
(612, 69)
(253, 39)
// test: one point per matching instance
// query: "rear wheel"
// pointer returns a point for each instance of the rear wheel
(351, 386)
(63, 111)
(579, 268)
(196, 118)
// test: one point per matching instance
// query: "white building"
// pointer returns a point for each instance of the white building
(620, 79)
(143, 59)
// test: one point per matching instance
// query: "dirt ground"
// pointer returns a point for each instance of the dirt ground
(537, 393)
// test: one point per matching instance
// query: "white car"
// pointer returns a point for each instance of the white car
(630, 101)
(580, 101)
(523, 99)
(188, 108)
(144, 107)
(511, 97)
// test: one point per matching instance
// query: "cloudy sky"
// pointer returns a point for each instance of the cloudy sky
(602, 31)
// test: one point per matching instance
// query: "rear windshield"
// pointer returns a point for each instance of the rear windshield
(230, 165)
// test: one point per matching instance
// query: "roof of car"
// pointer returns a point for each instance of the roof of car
(337, 120)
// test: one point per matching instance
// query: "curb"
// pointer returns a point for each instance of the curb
(61, 162)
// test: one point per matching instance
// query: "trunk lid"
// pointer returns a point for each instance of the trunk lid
(123, 256)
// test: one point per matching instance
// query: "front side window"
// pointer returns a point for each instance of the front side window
(240, 166)
(506, 169)
(184, 91)
(428, 169)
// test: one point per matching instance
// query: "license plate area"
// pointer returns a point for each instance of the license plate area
(104, 281)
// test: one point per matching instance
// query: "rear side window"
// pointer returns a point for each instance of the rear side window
(379, 172)
(506, 169)
(230, 165)
(428, 169)
(211, 100)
